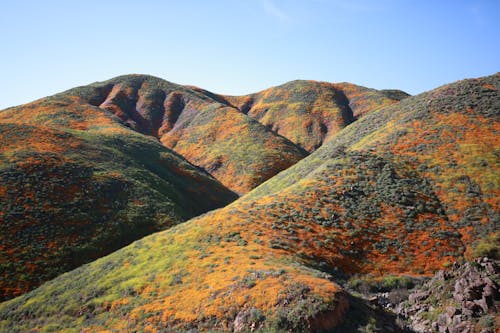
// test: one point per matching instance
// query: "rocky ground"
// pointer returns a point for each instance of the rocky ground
(462, 299)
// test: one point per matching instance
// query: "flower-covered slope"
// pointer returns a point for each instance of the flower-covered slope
(404, 190)
(310, 113)
(76, 185)
(237, 150)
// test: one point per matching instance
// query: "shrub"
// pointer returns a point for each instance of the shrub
(388, 283)
(487, 247)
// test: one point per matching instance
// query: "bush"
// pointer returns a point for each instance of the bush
(366, 285)
(487, 247)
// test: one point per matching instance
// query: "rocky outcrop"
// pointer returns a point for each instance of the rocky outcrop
(462, 299)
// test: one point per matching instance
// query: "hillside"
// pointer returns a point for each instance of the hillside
(241, 141)
(310, 113)
(84, 172)
(80, 189)
(447, 137)
(238, 151)
(404, 190)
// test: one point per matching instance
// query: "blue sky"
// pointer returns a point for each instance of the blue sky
(243, 46)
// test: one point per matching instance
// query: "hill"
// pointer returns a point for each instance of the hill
(404, 190)
(447, 137)
(241, 141)
(310, 113)
(238, 151)
(84, 174)
(76, 185)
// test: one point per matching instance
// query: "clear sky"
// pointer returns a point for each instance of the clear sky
(243, 46)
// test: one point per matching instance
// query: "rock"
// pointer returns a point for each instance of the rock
(456, 320)
(451, 311)
(247, 320)
(239, 322)
(474, 294)
(418, 296)
(443, 320)
(470, 308)
(482, 304)
(488, 265)
(423, 307)
(420, 328)
(459, 290)
(442, 275)
(490, 268)
(443, 329)
(490, 289)
(463, 327)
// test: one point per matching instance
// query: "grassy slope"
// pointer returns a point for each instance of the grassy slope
(447, 136)
(76, 185)
(386, 196)
(238, 151)
(241, 141)
(310, 113)
(235, 149)
(73, 136)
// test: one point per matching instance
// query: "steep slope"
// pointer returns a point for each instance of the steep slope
(238, 151)
(241, 141)
(385, 196)
(448, 137)
(76, 134)
(310, 113)
(75, 185)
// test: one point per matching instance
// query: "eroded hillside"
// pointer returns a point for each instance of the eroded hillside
(238, 151)
(241, 141)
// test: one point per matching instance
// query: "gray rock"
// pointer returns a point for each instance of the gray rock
(451, 311)
(470, 308)
(442, 275)
(463, 327)
(482, 304)
(473, 290)
(418, 296)
(456, 320)
(443, 320)
(247, 320)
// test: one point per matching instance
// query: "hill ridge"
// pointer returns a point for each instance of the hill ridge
(179, 116)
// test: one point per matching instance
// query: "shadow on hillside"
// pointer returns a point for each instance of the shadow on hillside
(364, 318)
